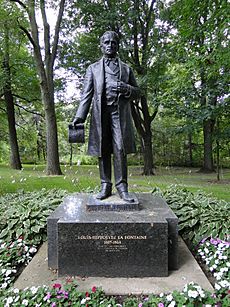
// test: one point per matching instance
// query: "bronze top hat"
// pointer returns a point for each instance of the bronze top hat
(76, 133)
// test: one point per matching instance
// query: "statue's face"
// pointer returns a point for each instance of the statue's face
(109, 46)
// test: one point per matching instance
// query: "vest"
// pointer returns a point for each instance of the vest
(111, 77)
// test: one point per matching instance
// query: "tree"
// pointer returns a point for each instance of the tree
(45, 70)
(201, 45)
(6, 24)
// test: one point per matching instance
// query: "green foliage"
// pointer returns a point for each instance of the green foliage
(199, 214)
(24, 214)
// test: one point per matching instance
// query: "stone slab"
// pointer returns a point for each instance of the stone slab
(112, 203)
(38, 274)
(161, 252)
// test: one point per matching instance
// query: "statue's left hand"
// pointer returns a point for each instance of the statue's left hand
(123, 88)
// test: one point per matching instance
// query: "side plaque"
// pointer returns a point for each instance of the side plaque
(112, 249)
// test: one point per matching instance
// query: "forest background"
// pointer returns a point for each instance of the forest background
(177, 49)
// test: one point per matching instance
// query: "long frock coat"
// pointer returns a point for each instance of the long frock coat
(93, 93)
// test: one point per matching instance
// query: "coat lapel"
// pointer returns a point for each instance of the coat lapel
(123, 72)
(100, 76)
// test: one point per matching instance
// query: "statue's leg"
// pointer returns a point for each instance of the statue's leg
(119, 157)
(105, 160)
(105, 175)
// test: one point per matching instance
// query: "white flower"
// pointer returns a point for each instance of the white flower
(224, 283)
(228, 264)
(169, 297)
(219, 276)
(217, 261)
(3, 245)
(217, 286)
(16, 290)
(161, 294)
(9, 300)
(172, 304)
(8, 272)
(16, 299)
(25, 302)
(26, 248)
(33, 290)
(32, 250)
(202, 294)
(208, 305)
(83, 301)
(206, 250)
(4, 285)
(192, 293)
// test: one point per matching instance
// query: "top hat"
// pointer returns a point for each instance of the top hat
(76, 133)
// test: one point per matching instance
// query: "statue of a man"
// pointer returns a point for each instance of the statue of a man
(109, 86)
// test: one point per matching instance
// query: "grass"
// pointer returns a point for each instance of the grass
(81, 178)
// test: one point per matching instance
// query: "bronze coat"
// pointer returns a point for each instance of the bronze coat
(92, 93)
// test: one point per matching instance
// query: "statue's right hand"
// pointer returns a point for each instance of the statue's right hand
(77, 120)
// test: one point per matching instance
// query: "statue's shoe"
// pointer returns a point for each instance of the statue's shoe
(104, 193)
(126, 196)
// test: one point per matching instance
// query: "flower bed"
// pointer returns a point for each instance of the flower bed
(14, 253)
(214, 252)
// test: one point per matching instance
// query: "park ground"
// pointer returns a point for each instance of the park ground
(86, 178)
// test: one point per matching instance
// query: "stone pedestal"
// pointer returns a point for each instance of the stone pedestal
(139, 243)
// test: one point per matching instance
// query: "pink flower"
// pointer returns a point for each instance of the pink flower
(202, 241)
(53, 305)
(213, 241)
(160, 305)
(56, 286)
(140, 305)
(86, 294)
(94, 289)
(66, 294)
(48, 296)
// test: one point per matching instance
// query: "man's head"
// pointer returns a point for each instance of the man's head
(109, 43)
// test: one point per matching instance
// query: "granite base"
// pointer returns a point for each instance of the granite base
(135, 243)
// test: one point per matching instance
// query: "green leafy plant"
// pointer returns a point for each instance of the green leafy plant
(26, 213)
(199, 214)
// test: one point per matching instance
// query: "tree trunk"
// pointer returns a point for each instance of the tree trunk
(71, 155)
(208, 165)
(53, 164)
(143, 127)
(15, 161)
(148, 169)
(190, 162)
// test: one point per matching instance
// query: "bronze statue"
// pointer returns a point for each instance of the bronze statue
(109, 86)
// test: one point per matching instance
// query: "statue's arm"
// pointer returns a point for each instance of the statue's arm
(134, 90)
(86, 97)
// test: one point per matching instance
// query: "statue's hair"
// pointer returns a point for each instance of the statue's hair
(112, 33)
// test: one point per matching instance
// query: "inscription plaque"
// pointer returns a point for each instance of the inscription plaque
(81, 251)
